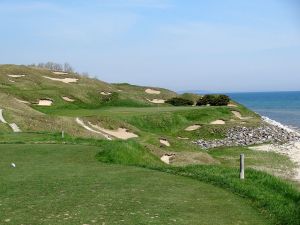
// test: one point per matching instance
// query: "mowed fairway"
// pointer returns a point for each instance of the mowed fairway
(65, 184)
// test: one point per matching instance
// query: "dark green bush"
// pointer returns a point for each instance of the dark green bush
(179, 101)
(214, 100)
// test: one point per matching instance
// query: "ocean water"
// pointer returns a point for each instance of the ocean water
(283, 107)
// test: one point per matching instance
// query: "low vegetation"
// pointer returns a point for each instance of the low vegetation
(213, 100)
(180, 102)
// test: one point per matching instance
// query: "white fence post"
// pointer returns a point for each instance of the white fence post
(242, 166)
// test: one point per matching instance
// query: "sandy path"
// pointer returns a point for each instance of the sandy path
(81, 123)
(152, 91)
(64, 80)
(120, 133)
(292, 150)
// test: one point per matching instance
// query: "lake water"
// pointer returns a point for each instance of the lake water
(283, 107)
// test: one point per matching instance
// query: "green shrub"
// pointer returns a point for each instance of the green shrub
(213, 100)
(179, 101)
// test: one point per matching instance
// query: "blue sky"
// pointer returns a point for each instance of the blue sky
(218, 45)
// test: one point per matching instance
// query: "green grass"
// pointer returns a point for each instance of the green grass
(63, 184)
(278, 200)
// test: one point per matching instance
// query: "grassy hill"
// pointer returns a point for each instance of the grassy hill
(92, 164)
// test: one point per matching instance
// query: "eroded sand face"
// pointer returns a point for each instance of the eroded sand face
(45, 102)
(67, 99)
(157, 101)
(218, 122)
(81, 123)
(13, 126)
(152, 91)
(192, 128)
(22, 101)
(64, 80)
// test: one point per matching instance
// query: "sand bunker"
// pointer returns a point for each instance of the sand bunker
(105, 93)
(167, 158)
(238, 115)
(64, 80)
(81, 123)
(68, 99)
(13, 126)
(183, 138)
(152, 91)
(291, 149)
(120, 133)
(164, 142)
(16, 76)
(192, 128)
(218, 122)
(1, 116)
(45, 102)
(157, 101)
(231, 105)
(59, 73)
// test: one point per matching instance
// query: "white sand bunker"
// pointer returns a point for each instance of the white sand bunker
(164, 142)
(64, 80)
(152, 91)
(192, 128)
(81, 123)
(291, 149)
(59, 73)
(238, 115)
(13, 126)
(121, 133)
(105, 93)
(167, 158)
(67, 99)
(183, 138)
(157, 101)
(218, 122)
(45, 102)
(16, 76)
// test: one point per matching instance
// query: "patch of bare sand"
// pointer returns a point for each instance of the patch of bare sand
(59, 73)
(218, 122)
(81, 123)
(22, 101)
(152, 91)
(67, 99)
(64, 80)
(193, 127)
(105, 93)
(157, 101)
(16, 76)
(167, 158)
(232, 105)
(164, 142)
(45, 102)
(238, 115)
(120, 133)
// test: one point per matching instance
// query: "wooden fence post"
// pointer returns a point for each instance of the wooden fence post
(62, 134)
(242, 166)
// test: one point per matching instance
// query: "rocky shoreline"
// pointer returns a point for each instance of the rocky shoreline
(245, 136)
